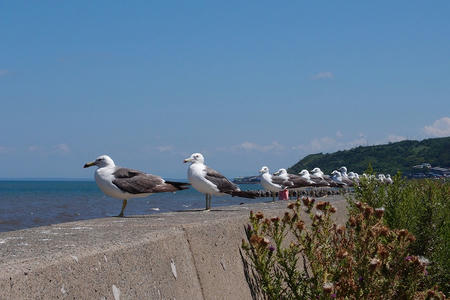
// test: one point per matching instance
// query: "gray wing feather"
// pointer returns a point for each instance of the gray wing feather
(281, 181)
(299, 181)
(222, 183)
(137, 182)
(319, 180)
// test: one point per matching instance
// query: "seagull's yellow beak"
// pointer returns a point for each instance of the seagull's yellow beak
(187, 160)
(89, 164)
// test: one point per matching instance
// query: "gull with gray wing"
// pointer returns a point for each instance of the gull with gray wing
(124, 183)
(210, 182)
(296, 181)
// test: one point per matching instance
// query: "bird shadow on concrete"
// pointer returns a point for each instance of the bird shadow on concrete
(205, 211)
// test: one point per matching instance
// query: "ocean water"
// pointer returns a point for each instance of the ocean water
(25, 204)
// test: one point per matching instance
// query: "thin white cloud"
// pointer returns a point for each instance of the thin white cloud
(62, 148)
(322, 143)
(253, 147)
(164, 148)
(339, 134)
(440, 128)
(392, 138)
(33, 148)
(3, 149)
(323, 75)
(248, 146)
(3, 72)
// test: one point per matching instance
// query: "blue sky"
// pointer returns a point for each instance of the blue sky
(247, 83)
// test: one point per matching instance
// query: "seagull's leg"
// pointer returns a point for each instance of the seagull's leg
(208, 202)
(273, 196)
(124, 204)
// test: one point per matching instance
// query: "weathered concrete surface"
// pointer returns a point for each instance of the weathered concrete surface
(182, 255)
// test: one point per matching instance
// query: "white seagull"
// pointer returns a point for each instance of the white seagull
(123, 183)
(210, 182)
(388, 179)
(353, 176)
(343, 171)
(368, 177)
(338, 178)
(273, 183)
(294, 181)
(312, 180)
(317, 173)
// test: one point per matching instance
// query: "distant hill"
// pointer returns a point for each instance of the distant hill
(388, 158)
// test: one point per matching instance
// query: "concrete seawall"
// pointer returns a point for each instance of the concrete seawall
(179, 255)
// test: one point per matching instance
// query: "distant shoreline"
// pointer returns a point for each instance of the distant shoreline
(46, 179)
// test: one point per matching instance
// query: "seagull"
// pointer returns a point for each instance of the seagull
(337, 177)
(353, 176)
(312, 179)
(368, 177)
(295, 181)
(388, 179)
(210, 182)
(343, 171)
(317, 173)
(273, 183)
(345, 178)
(381, 178)
(123, 183)
(365, 176)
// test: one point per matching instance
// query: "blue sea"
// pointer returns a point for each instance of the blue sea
(25, 204)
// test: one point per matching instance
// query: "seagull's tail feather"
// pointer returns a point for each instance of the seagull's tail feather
(179, 185)
(244, 194)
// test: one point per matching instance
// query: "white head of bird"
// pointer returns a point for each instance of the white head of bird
(336, 174)
(316, 170)
(304, 173)
(388, 179)
(281, 171)
(343, 170)
(264, 170)
(101, 162)
(195, 158)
